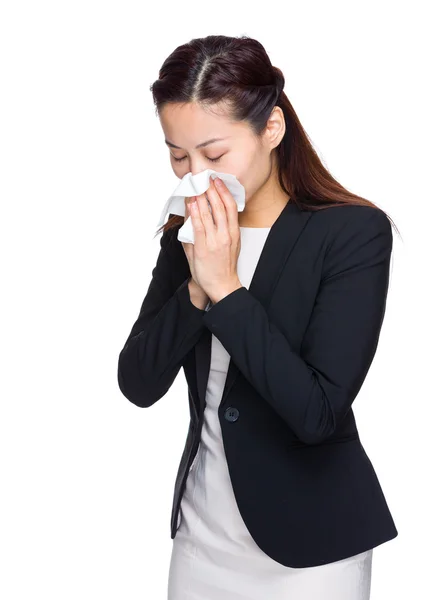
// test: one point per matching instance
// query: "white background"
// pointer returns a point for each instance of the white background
(87, 477)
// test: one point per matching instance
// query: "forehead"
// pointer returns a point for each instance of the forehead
(187, 125)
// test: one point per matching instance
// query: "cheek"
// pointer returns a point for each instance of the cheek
(257, 173)
(179, 169)
(240, 167)
(247, 176)
(252, 180)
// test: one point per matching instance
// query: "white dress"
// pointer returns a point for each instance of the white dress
(214, 556)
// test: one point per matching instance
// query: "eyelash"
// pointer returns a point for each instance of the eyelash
(211, 159)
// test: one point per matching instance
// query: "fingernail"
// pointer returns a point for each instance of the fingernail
(218, 182)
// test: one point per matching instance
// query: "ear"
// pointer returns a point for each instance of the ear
(275, 128)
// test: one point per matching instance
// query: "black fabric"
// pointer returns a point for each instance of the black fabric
(301, 339)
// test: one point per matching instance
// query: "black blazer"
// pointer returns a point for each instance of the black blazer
(301, 340)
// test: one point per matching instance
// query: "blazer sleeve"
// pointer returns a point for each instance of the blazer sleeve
(166, 329)
(313, 390)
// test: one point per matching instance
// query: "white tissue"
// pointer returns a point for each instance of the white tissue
(194, 185)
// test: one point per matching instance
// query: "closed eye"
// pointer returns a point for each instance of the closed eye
(184, 157)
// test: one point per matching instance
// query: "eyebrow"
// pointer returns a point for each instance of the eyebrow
(202, 145)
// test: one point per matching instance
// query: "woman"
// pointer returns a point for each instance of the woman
(274, 314)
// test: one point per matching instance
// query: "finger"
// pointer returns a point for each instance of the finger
(187, 246)
(230, 206)
(187, 201)
(198, 226)
(218, 208)
(205, 215)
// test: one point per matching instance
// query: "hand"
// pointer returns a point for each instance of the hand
(189, 253)
(213, 260)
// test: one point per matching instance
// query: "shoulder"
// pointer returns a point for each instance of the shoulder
(339, 223)
(353, 234)
(169, 238)
(173, 249)
(352, 215)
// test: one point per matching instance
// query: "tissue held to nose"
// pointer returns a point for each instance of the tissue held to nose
(195, 185)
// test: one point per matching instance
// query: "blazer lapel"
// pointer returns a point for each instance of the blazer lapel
(276, 252)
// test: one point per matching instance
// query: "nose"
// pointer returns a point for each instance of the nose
(197, 165)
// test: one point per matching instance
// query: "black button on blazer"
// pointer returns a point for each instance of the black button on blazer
(301, 340)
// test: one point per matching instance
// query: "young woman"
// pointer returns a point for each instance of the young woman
(274, 314)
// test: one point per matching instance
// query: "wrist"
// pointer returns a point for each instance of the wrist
(197, 295)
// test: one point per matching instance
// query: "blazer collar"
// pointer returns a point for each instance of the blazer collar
(273, 258)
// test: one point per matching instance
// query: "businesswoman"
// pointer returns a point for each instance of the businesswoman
(274, 314)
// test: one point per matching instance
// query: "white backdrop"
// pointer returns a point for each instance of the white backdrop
(87, 477)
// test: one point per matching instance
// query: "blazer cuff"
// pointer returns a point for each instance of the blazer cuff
(219, 312)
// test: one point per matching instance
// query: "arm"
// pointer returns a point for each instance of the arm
(167, 327)
(312, 391)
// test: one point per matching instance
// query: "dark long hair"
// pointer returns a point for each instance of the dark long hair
(237, 72)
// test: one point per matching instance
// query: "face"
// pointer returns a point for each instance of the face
(238, 151)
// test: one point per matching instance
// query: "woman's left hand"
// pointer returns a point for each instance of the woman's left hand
(216, 241)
